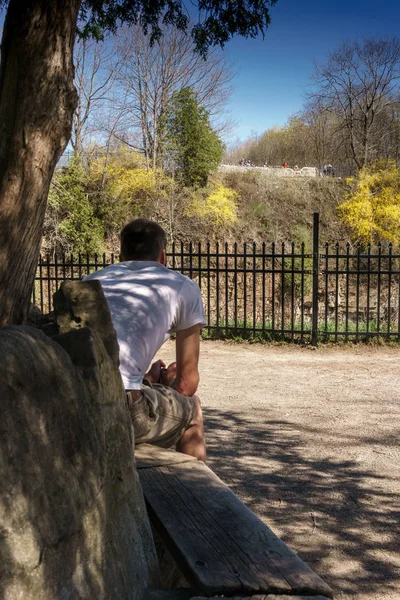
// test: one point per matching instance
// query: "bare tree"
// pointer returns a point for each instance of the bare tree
(388, 144)
(96, 68)
(148, 76)
(358, 83)
(325, 136)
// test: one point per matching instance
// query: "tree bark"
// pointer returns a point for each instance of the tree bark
(37, 101)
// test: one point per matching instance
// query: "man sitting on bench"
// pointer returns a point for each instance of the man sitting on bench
(149, 302)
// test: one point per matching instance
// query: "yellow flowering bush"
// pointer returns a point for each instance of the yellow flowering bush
(124, 184)
(129, 189)
(125, 174)
(372, 209)
(217, 206)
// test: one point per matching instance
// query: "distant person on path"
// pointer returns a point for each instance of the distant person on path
(284, 164)
(149, 302)
(329, 171)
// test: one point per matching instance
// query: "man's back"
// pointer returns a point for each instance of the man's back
(148, 302)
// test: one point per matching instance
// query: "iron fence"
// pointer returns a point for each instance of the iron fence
(277, 292)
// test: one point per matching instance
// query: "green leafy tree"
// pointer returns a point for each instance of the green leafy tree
(190, 141)
(38, 100)
(78, 227)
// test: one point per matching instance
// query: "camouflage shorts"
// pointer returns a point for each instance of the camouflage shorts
(159, 414)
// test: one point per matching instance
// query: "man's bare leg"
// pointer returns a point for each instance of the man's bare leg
(192, 441)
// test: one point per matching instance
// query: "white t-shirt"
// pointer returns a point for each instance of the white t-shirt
(148, 302)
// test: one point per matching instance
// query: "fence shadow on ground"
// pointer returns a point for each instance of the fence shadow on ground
(338, 515)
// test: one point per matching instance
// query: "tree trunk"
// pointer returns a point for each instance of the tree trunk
(37, 101)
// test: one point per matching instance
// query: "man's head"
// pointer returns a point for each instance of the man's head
(142, 239)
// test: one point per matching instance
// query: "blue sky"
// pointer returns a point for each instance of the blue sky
(274, 74)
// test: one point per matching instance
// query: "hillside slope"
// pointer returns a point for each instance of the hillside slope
(281, 209)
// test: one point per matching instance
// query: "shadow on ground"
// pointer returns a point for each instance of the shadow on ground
(337, 514)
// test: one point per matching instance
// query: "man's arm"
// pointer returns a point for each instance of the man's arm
(187, 360)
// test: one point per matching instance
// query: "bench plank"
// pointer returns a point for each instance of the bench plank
(262, 597)
(219, 544)
(167, 594)
(148, 456)
(187, 594)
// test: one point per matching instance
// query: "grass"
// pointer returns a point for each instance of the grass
(241, 331)
(359, 332)
(245, 332)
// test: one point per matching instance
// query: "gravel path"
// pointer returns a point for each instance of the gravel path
(309, 439)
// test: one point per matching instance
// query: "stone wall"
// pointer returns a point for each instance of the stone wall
(271, 171)
(73, 524)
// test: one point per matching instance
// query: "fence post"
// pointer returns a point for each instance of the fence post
(314, 325)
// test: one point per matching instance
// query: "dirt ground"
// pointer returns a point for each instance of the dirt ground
(309, 439)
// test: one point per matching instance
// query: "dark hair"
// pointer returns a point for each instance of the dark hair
(142, 239)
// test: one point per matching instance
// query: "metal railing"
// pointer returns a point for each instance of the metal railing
(279, 292)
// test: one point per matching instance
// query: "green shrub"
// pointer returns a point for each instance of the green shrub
(76, 228)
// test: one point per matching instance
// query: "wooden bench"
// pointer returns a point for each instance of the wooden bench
(220, 546)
